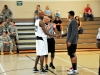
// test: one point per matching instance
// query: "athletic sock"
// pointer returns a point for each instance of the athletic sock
(74, 66)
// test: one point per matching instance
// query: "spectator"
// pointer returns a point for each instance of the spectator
(88, 13)
(57, 13)
(48, 12)
(80, 29)
(6, 41)
(2, 28)
(7, 13)
(13, 32)
(7, 24)
(37, 12)
(59, 26)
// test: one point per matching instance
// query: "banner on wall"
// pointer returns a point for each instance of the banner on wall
(19, 3)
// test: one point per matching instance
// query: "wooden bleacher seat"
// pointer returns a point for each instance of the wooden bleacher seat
(87, 40)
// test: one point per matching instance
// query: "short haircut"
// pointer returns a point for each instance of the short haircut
(5, 5)
(71, 13)
(5, 32)
(38, 5)
(13, 22)
(88, 4)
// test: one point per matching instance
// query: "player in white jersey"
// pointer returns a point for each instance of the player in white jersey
(41, 41)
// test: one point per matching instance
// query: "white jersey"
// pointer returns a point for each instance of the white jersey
(39, 32)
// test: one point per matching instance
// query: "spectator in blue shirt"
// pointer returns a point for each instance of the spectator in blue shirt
(48, 12)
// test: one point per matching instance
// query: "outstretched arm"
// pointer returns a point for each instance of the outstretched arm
(64, 35)
(42, 25)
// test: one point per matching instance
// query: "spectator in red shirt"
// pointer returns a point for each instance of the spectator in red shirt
(88, 13)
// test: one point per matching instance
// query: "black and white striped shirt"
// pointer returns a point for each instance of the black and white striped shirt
(50, 30)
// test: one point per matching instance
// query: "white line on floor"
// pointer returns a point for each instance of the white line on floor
(77, 65)
(2, 69)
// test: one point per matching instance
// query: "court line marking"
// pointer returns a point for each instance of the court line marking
(40, 64)
(2, 69)
(77, 65)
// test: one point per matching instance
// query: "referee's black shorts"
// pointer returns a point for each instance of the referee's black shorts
(51, 45)
(72, 49)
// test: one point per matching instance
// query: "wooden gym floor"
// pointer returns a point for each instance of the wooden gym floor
(20, 64)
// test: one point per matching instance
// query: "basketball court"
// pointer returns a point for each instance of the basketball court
(22, 64)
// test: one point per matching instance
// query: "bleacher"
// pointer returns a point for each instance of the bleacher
(87, 40)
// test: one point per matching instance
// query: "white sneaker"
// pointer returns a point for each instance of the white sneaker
(72, 72)
(76, 71)
(11, 52)
(2, 53)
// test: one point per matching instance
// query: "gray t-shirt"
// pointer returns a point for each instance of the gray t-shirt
(72, 32)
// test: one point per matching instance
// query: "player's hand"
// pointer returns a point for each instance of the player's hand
(57, 36)
(68, 44)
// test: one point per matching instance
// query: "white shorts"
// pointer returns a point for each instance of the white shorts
(42, 47)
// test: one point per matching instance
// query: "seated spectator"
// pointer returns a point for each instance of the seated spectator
(7, 13)
(37, 12)
(6, 41)
(12, 30)
(2, 28)
(57, 13)
(88, 13)
(7, 24)
(59, 26)
(80, 29)
(48, 12)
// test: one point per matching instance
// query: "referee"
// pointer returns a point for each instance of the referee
(51, 28)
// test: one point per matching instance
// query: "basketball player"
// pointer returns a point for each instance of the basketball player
(41, 41)
(71, 42)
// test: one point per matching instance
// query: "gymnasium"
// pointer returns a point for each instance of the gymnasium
(18, 37)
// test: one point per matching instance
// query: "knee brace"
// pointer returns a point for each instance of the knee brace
(71, 55)
(52, 55)
(46, 55)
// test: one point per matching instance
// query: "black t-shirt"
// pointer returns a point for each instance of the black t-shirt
(56, 22)
(36, 12)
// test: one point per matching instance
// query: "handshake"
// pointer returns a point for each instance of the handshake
(58, 36)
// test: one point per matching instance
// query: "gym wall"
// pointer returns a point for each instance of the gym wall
(29, 6)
